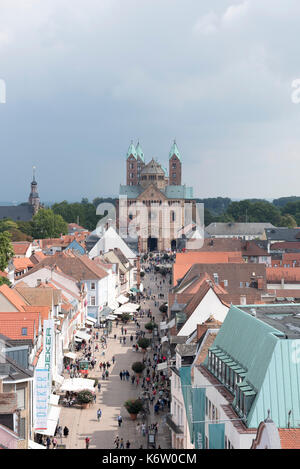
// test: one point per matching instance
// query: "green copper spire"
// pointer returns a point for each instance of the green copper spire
(131, 150)
(174, 151)
(140, 152)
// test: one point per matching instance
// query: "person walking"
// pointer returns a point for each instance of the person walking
(48, 442)
(54, 442)
(121, 375)
(121, 443)
(127, 444)
(120, 420)
(99, 414)
(99, 387)
(113, 360)
(87, 442)
(117, 442)
(66, 432)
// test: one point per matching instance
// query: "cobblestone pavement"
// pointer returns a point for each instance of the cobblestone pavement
(114, 392)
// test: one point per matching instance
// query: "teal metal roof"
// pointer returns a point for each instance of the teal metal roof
(174, 151)
(273, 365)
(132, 192)
(131, 151)
(139, 152)
(179, 192)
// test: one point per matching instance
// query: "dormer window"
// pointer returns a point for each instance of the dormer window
(24, 331)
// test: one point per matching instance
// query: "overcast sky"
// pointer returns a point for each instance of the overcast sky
(83, 78)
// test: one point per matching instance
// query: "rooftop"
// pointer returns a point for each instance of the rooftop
(283, 317)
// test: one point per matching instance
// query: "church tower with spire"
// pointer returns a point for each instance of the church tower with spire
(174, 166)
(34, 199)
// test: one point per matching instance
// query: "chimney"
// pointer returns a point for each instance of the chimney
(243, 300)
(1, 386)
(282, 282)
(201, 330)
(260, 283)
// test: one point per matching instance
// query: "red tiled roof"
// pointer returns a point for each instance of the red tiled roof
(13, 297)
(20, 248)
(289, 438)
(12, 328)
(185, 260)
(289, 274)
(285, 245)
(43, 310)
(22, 263)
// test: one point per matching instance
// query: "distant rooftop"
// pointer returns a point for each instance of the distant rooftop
(283, 317)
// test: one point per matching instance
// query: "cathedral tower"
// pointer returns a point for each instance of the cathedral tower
(174, 166)
(34, 199)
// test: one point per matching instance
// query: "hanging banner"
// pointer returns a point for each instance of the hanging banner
(186, 386)
(41, 396)
(216, 435)
(48, 345)
(198, 402)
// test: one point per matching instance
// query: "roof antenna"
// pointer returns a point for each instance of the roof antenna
(33, 171)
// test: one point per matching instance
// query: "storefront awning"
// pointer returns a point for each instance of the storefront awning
(34, 445)
(111, 317)
(127, 308)
(82, 336)
(113, 305)
(78, 384)
(122, 299)
(58, 379)
(52, 420)
(54, 398)
(71, 355)
(90, 320)
(162, 366)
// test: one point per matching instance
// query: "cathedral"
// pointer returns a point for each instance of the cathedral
(24, 211)
(161, 193)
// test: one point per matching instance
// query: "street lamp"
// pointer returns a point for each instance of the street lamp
(151, 439)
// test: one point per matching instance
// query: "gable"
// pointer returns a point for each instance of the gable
(152, 193)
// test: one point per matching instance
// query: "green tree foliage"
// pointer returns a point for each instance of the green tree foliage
(138, 367)
(6, 249)
(215, 205)
(292, 208)
(144, 343)
(4, 281)
(288, 221)
(84, 213)
(47, 224)
(282, 201)
(256, 212)
(134, 406)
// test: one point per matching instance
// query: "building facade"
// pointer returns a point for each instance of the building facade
(153, 204)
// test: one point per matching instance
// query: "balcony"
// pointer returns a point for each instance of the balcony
(173, 426)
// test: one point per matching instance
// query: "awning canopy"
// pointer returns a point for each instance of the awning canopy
(111, 317)
(78, 384)
(113, 305)
(164, 339)
(162, 366)
(54, 398)
(52, 419)
(122, 299)
(82, 335)
(57, 378)
(90, 320)
(106, 311)
(127, 308)
(163, 325)
(34, 445)
(71, 355)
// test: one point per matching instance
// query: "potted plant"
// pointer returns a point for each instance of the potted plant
(150, 326)
(138, 368)
(133, 407)
(125, 317)
(143, 343)
(84, 398)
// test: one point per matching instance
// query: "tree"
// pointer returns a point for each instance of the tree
(150, 326)
(6, 249)
(143, 343)
(288, 221)
(4, 281)
(46, 224)
(138, 367)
